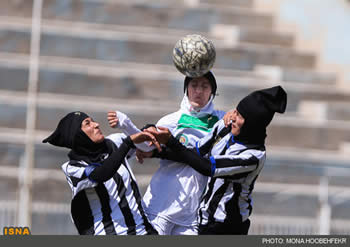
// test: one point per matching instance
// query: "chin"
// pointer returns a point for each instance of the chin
(101, 139)
(235, 133)
(195, 105)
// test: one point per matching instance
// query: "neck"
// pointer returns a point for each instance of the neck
(187, 107)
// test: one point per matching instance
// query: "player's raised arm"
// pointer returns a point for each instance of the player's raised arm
(112, 119)
(117, 119)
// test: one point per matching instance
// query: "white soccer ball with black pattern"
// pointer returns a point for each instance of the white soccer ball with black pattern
(194, 55)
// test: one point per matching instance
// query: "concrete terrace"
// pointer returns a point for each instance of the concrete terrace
(100, 55)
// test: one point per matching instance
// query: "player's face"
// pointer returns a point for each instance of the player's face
(237, 121)
(92, 130)
(199, 91)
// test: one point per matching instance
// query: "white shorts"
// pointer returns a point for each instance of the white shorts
(165, 227)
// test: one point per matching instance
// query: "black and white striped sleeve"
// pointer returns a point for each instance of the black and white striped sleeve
(234, 166)
(226, 165)
(76, 176)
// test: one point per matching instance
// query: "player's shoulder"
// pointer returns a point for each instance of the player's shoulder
(257, 151)
(170, 119)
(220, 114)
(116, 138)
(74, 167)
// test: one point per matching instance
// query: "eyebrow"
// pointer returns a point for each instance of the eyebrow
(202, 82)
(87, 120)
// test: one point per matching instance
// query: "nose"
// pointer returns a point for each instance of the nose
(198, 89)
(96, 124)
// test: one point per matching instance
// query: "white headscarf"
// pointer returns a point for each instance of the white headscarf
(187, 108)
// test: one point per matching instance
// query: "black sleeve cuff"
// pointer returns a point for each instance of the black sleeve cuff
(129, 142)
(147, 126)
(173, 142)
(157, 154)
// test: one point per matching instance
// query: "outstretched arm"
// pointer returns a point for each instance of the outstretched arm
(177, 152)
(117, 119)
(101, 172)
(226, 165)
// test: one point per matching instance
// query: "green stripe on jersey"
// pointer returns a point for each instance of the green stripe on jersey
(203, 123)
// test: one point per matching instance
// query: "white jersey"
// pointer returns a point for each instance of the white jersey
(176, 189)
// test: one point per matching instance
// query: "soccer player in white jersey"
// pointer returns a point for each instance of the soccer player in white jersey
(106, 199)
(232, 157)
(172, 198)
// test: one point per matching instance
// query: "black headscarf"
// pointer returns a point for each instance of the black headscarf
(69, 134)
(211, 78)
(258, 109)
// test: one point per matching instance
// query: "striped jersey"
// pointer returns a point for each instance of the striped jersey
(113, 207)
(228, 193)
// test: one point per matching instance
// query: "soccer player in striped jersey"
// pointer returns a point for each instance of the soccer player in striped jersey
(232, 157)
(106, 199)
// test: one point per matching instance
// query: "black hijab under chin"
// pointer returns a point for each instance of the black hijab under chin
(251, 135)
(85, 149)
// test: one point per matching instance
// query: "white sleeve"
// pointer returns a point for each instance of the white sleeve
(125, 124)
(129, 128)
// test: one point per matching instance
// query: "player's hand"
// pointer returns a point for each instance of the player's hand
(140, 155)
(112, 119)
(145, 136)
(228, 117)
(152, 128)
(162, 134)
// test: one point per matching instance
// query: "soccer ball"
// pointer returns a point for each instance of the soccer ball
(194, 55)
